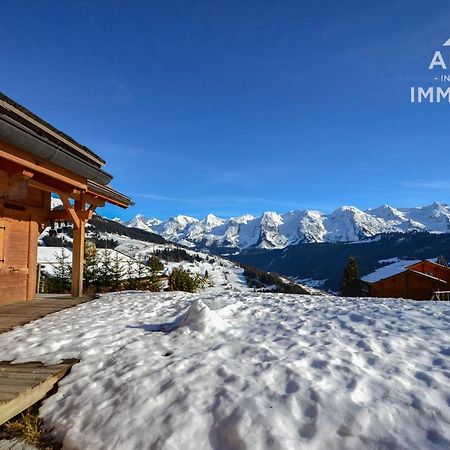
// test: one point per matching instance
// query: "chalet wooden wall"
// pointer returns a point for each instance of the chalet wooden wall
(20, 222)
(406, 285)
(435, 270)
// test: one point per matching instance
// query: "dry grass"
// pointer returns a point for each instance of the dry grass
(28, 427)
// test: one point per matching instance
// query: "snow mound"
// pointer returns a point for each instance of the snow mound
(201, 319)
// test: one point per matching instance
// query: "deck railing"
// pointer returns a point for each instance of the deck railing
(441, 295)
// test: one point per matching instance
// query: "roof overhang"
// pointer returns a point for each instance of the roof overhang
(108, 194)
(55, 162)
(14, 133)
(29, 120)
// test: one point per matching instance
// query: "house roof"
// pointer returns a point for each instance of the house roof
(389, 270)
(26, 131)
(23, 116)
(395, 268)
(427, 275)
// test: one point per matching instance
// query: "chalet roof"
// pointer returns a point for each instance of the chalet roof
(427, 275)
(26, 131)
(393, 269)
(23, 116)
(389, 270)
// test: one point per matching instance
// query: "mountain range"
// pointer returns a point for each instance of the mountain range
(276, 231)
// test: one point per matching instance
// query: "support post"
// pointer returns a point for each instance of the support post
(78, 253)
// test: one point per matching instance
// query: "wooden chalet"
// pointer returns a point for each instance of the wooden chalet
(36, 161)
(418, 280)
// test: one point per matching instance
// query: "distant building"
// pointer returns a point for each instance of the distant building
(412, 279)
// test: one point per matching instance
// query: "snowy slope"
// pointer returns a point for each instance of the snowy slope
(244, 371)
(223, 275)
(273, 230)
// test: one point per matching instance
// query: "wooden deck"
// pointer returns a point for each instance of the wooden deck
(22, 385)
(19, 313)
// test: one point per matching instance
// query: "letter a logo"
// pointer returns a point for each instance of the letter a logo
(447, 44)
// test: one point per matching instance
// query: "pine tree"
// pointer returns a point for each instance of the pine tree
(349, 282)
(91, 266)
(106, 276)
(62, 273)
(131, 281)
(155, 264)
(117, 273)
(142, 272)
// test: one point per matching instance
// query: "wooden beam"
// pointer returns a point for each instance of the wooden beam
(34, 164)
(58, 215)
(93, 200)
(33, 236)
(71, 211)
(14, 186)
(25, 210)
(78, 254)
(2, 243)
(72, 193)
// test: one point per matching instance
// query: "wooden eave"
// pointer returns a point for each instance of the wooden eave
(108, 194)
(50, 177)
(426, 275)
(9, 154)
(426, 261)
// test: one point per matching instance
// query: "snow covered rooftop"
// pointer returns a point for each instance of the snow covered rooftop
(396, 267)
(389, 270)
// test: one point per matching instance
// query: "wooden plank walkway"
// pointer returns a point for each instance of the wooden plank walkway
(22, 385)
(19, 313)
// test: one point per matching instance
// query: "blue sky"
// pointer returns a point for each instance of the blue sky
(236, 107)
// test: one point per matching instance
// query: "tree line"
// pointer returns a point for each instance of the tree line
(104, 272)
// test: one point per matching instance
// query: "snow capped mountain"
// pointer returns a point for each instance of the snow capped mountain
(139, 221)
(273, 230)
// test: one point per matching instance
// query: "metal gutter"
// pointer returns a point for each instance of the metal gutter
(35, 123)
(110, 194)
(15, 134)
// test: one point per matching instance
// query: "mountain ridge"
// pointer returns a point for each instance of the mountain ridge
(272, 230)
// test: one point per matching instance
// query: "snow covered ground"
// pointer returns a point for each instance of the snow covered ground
(245, 371)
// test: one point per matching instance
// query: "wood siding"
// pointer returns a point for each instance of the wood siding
(433, 269)
(20, 219)
(409, 285)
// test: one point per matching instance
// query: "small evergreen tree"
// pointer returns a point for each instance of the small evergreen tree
(182, 280)
(155, 264)
(142, 272)
(117, 273)
(131, 280)
(91, 266)
(105, 277)
(61, 281)
(154, 283)
(349, 285)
